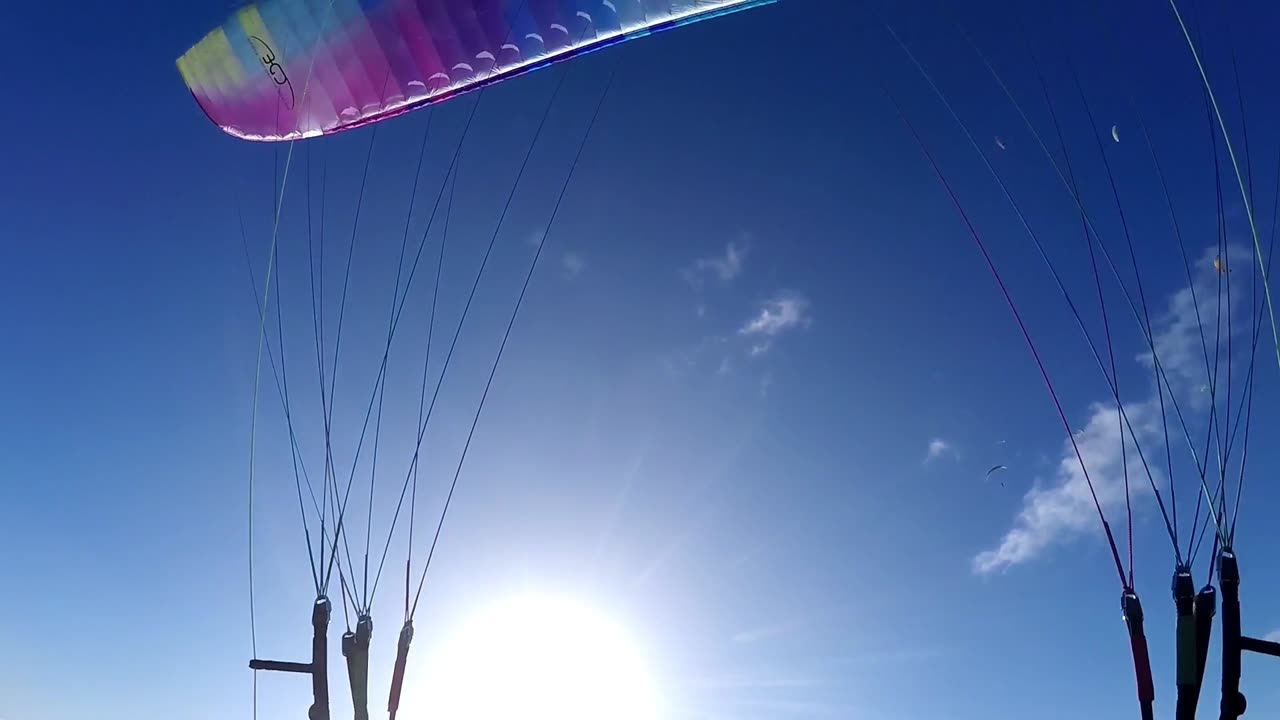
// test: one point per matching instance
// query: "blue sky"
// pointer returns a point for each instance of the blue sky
(756, 315)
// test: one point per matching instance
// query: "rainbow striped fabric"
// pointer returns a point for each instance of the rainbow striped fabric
(284, 69)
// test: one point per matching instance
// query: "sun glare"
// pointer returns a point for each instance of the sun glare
(535, 657)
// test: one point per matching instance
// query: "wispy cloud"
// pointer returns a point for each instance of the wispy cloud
(723, 267)
(810, 621)
(685, 360)
(937, 448)
(726, 367)
(797, 708)
(753, 337)
(796, 689)
(895, 655)
(767, 632)
(766, 383)
(1273, 636)
(1062, 507)
(759, 678)
(572, 264)
(784, 313)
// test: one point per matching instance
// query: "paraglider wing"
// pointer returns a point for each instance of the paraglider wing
(994, 469)
(285, 69)
(1115, 133)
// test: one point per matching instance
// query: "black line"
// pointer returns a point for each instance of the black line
(507, 334)
(546, 113)
(1044, 373)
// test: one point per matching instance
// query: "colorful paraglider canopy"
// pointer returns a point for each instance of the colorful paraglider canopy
(284, 69)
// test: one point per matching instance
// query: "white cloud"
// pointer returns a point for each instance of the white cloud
(777, 316)
(1273, 636)
(725, 366)
(758, 679)
(723, 267)
(897, 655)
(572, 264)
(753, 337)
(682, 361)
(1178, 328)
(937, 448)
(771, 631)
(783, 313)
(813, 620)
(1062, 508)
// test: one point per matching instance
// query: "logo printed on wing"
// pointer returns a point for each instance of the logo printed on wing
(274, 69)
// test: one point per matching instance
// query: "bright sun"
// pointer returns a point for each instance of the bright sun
(536, 657)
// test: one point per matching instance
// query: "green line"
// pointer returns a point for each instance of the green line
(1244, 195)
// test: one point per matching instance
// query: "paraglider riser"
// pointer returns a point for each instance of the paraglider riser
(318, 668)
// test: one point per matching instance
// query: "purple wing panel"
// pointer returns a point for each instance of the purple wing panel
(286, 69)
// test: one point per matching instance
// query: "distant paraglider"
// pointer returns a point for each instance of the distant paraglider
(1115, 133)
(993, 470)
(1000, 143)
